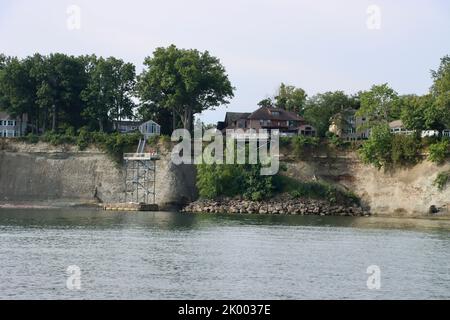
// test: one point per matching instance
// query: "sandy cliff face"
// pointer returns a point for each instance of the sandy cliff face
(403, 192)
(42, 172)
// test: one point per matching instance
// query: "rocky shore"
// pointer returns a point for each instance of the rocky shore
(287, 206)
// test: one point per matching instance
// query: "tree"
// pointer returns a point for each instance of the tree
(266, 103)
(377, 150)
(320, 108)
(441, 89)
(18, 87)
(290, 98)
(60, 79)
(186, 82)
(379, 105)
(108, 94)
(422, 113)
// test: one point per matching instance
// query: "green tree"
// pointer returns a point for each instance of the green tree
(266, 103)
(18, 87)
(108, 94)
(377, 149)
(60, 79)
(320, 108)
(421, 113)
(186, 82)
(379, 105)
(441, 89)
(290, 98)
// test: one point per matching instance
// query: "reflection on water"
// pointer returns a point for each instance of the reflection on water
(163, 255)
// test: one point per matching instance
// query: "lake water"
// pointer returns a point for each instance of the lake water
(165, 255)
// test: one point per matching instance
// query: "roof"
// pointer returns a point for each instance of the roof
(127, 122)
(5, 116)
(234, 116)
(149, 121)
(265, 113)
(396, 124)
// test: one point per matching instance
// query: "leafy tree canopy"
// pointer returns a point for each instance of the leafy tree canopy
(184, 81)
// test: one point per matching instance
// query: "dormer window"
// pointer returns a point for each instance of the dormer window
(275, 113)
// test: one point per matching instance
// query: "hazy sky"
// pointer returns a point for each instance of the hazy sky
(317, 45)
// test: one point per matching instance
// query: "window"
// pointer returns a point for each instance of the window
(275, 113)
(11, 123)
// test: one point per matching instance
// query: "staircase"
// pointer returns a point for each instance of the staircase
(141, 146)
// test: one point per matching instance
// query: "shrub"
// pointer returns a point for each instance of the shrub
(377, 149)
(335, 141)
(83, 139)
(441, 180)
(314, 190)
(322, 190)
(300, 143)
(31, 138)
(439, 151)
(215, 180)
(405, 149)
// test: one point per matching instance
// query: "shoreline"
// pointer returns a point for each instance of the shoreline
(283, 205)
(218, 207)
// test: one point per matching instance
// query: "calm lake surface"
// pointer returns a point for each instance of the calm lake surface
(167, 255)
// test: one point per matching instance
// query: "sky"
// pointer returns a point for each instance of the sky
(318, 45)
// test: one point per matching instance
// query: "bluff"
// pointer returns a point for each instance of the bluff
(40, 172)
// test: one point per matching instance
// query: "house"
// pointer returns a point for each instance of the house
(348, 126)
(12, 127)
(268, 118)
(397, 127)
(150, 128)
(234, 120)
(126, 126)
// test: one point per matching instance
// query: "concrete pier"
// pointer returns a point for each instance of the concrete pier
(130, 207)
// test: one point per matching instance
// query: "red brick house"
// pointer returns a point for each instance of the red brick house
(269, 118)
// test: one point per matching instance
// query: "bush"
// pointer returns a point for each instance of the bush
(441, 180)
(405, 149)
(439, 151)
(314, 190)
(335, 141)
(322, 190)
(57, 138)
(216, 180)
(377, 149)
(31, 138)
(300, 143)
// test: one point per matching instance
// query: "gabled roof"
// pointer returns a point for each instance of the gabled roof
(231, 117)
(266, 113)
(396, 124)
(149, 122)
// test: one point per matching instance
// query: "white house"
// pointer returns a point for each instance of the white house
(397, 127)
(150, 128)
(12, 127)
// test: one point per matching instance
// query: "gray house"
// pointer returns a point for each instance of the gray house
(148, 128)
(12, 127)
